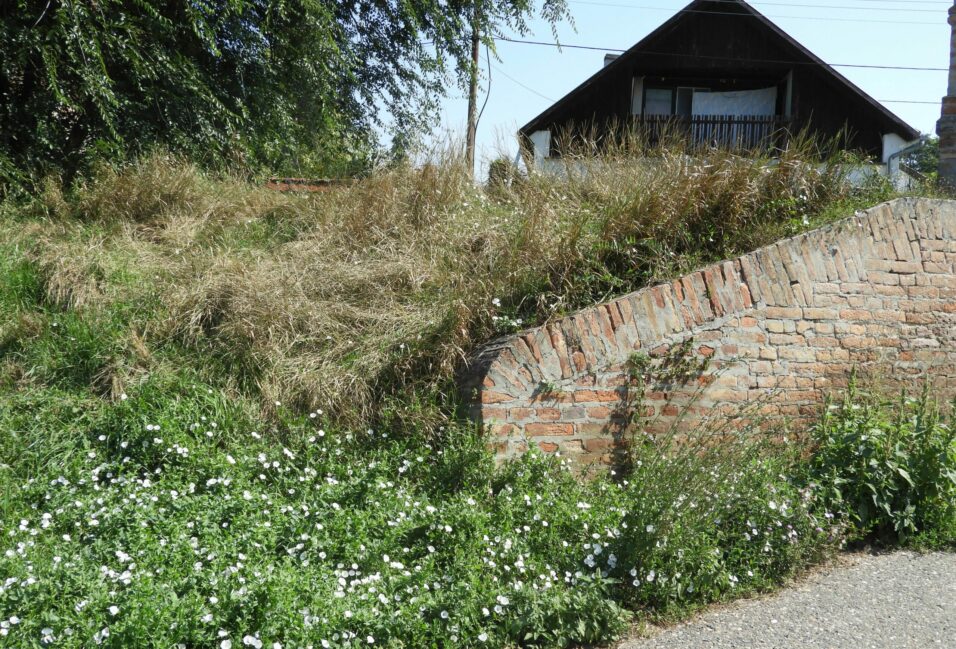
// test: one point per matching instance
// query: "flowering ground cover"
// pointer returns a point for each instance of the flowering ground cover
(158, 489)
(171, 519)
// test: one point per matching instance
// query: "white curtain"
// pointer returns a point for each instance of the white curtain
(741, 102)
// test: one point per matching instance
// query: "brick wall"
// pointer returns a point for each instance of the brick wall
(779, 328)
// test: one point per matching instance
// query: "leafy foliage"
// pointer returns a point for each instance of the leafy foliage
(296, 86)
(889, 468)
(173, 516)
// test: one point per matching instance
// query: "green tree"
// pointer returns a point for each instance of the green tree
(284, 85)
(925, 160)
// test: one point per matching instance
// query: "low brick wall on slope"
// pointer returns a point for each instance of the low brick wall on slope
(779, 327)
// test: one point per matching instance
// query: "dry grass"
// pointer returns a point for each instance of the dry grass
(337, 300)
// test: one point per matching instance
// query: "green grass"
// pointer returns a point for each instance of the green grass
(345, 300)
(304, 532)
(231, 415)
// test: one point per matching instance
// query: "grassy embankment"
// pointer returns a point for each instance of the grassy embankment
(227, 416)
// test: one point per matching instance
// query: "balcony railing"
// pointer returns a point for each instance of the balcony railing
(732, 131)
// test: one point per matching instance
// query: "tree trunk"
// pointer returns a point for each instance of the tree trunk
(473, 95)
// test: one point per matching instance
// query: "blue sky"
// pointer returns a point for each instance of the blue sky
(527, 78)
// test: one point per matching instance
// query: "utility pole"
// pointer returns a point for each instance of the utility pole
(471, 134)
(946, 126)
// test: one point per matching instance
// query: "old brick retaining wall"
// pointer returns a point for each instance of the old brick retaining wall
(780, 327)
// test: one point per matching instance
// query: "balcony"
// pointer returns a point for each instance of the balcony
(731, 131)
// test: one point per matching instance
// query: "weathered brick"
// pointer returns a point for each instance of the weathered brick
(597, 396)
(487, 396)
(551, 430)
(820, 314)
(816, 306)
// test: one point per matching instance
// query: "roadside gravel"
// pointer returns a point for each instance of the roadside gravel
(903, 599)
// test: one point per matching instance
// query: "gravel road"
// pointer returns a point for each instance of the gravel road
(863, 602)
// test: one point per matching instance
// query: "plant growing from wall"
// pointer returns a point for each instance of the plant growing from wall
(672, 370)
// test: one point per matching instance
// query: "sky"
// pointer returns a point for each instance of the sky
(527, 79)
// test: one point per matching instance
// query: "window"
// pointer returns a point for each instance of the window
(658, 101)
(685, 102)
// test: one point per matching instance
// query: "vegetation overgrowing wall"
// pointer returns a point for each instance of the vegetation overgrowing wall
(769, 333)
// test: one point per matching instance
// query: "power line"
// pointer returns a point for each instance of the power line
(528, 88)
(907, 101)
(855, 8)
(722, 58)
(749, 15)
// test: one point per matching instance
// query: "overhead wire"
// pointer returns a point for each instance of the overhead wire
(723, 58)
(488, 90)
(607, 49)
(749, 15)
(526, 87)
(799, 5)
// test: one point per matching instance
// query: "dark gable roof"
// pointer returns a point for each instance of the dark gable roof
(706, 6)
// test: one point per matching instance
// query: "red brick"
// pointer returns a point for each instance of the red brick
(543, 430)
(597, 396)
(548, 414)
(548, 447)
(487, 396)
(520, 414)
(594, 444)
(599, 412)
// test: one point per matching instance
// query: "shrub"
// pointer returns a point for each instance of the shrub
(889, 468)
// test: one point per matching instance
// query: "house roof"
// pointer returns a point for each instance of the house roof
(802, 56)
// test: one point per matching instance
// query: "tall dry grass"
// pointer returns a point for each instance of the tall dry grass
(341, 299)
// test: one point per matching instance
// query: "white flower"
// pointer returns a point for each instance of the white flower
(651, 575)
(114, 610)
(444, 615)
(483, 637)
(772, 505)
(650, 529)
(370, 640)
(225, 644)
(252, 641)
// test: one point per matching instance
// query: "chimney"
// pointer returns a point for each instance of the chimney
(946, 126)
(610, 58)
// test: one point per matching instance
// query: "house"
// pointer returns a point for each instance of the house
(722, 73)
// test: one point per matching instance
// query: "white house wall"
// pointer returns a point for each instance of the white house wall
(541, 141)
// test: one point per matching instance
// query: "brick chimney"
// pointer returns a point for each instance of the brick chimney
(946, 126)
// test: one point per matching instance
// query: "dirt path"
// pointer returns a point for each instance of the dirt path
(869, 601)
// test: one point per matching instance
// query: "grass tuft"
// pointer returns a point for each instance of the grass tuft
(344, 299)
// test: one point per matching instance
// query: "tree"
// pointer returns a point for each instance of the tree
(488, 20)
(284, 85)
(925, 160)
